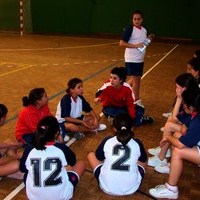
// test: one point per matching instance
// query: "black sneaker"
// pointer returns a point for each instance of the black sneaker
(147, 120)
(78, 135)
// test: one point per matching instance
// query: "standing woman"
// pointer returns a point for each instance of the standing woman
(35, 108)
(132, 39)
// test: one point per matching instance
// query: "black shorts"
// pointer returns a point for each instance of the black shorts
(113, 111)
(134, 69)
(97, 171)
(63, 130)
(73, 178)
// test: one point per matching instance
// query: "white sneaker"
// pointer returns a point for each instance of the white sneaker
(66, 138)
(17, 175)
(162, 129)
(163, 168)
(167, 114)
(161, 191)
(154, 161)
(156, 151)
(100, 128)
(110, 120)
(101, 114)
(139, 103)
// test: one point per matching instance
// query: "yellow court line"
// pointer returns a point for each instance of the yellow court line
(12, 63)
(3, 63)
(16, 70)
(60, 48)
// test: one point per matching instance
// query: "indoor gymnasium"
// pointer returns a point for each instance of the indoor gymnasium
(45, 44)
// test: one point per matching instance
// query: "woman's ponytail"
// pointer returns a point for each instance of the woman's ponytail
(123, 124)
(47, 130)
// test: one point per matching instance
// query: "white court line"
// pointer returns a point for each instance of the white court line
(14, 192)
(159, 61)
(21, 186)
(70, 142)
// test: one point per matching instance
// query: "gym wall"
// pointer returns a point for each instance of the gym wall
(9, 15)
(166, 18)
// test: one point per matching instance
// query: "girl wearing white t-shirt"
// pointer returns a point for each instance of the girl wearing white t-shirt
(51, 170)
(119, 162)
(132, 39)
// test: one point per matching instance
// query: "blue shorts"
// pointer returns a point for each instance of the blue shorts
(63, 130)
(183, 117)
(134, 69)
(97, 171)
(27, 140)
(139, 114)
(73, 178)
(113, 111)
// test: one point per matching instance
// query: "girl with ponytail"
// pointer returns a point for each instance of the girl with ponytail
(74, 113)
(119, 162)
(35, 108)
(46, 162)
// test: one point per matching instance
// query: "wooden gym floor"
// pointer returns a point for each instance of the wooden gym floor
(50, 61)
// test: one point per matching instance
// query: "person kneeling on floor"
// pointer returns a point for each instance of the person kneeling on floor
(117, 97)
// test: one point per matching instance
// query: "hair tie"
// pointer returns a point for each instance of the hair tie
(43, 127)
(123, 128)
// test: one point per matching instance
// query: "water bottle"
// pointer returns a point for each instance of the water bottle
(145, 44)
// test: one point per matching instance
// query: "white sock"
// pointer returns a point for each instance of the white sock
(171, 188)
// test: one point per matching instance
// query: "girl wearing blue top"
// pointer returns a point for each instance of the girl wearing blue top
(74, 113)
(175, 123)
(186, 146)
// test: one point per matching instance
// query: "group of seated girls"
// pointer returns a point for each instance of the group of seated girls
(37, 130)
(119, 162)
(74, 113)
(181, 135)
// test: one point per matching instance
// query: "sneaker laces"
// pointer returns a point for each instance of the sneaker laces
(139, 103)
(79, 135)
(146, 118)
(165, 164)
(160, 187)
(156, 148)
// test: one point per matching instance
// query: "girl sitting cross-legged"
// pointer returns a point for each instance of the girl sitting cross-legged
(119, 162)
